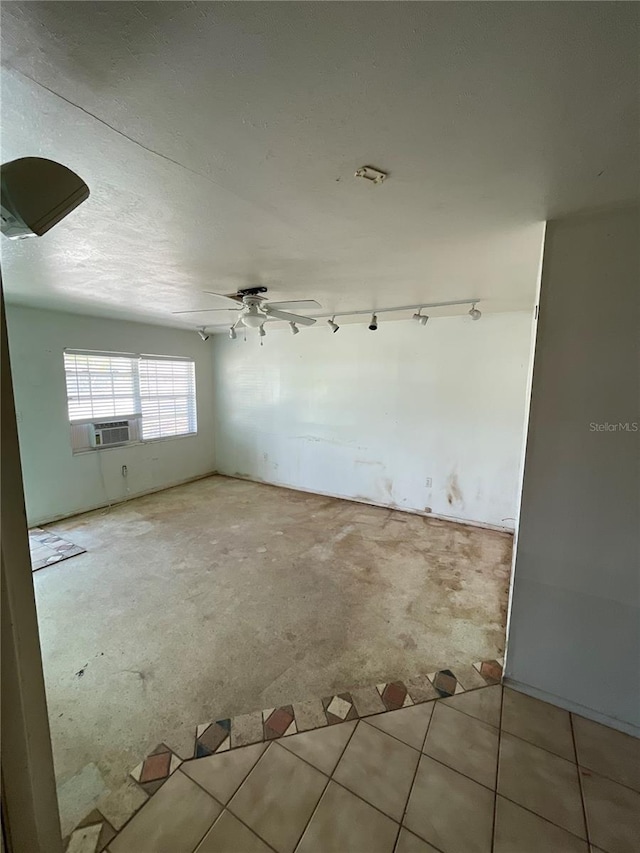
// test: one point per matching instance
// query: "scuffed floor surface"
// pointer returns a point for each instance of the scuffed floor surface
(222, 597)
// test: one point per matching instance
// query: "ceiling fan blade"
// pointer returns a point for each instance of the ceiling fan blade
(206, 310)
(290, 318)
(299, 303)
(233, 297)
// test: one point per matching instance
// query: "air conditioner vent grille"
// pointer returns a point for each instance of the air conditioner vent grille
(115, 432)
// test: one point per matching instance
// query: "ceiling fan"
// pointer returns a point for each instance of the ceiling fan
(254, 309)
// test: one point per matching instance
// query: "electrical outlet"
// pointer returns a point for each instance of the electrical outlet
(124, 471)
(428, 482)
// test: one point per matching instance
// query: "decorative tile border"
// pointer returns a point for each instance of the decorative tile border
(490, 670)
(394, 695)
(272, 723)
(213, 737)
(91, 835)
(279, 722)
(156, 768)
(47, 548)
(339, 708)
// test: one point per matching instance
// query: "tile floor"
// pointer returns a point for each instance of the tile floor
(484, 770)
(47, 548)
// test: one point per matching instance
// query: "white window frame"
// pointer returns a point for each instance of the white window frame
(79, 426)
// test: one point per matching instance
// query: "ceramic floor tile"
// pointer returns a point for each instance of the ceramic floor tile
(105, 831)
(378, 768)
(229, 835)
(450, 811)
(538, 722)
(410, 843)
(85, 840)
(173, 821)
(408, 724)
(322, 747)
(483, 704)
(278, 797)
(613, 813)
(469, 677)
(339, 708)
(221, 775)
(213, 738)
(445, 683)
(491, 670)
(395, 695)
(246, 729)
(309, 715)
(367, 701)
(464, 744)
(607, 752)
(520, 831)
(541, 782)
(421, 689)
(344, 823)
(278, 722)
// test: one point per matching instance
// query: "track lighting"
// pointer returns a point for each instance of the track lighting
(373, 325)
(294, 328)
(421, 318)
(474, 313)
(203, 334)
(333, 325)
(232, 333)
(261, 331)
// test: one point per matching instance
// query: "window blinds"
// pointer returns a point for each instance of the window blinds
(167, 395)
(100, 386)
(110, 385)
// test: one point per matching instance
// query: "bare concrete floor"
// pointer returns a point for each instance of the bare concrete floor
(223, 597)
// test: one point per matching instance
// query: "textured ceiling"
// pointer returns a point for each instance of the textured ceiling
(220, 141)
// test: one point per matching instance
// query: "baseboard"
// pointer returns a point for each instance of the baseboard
(574, 707)
(483, 524)
(38, 522)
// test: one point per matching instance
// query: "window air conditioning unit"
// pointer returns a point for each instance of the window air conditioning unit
(110, 433)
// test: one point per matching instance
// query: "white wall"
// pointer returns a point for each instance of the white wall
(574, 632)
(371, 416)
(57, 483)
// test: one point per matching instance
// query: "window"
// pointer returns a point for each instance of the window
(155, 394)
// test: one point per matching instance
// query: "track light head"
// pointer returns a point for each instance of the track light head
(474, 313)
(421, 318)
(373, 325)
(333, 325)
(294, 329)
(203, 335)
(232, 333)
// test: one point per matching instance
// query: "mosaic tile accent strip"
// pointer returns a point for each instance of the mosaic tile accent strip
(273, 723)
(339, 708)
(421, 689)
(445, 682)
(367, 701)
(91, 835)
(311, 715)
(246, 729)
(47, 548)
(490, 670)
(394, 695)
(156, 768)
(213, 737)
(279, 722)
